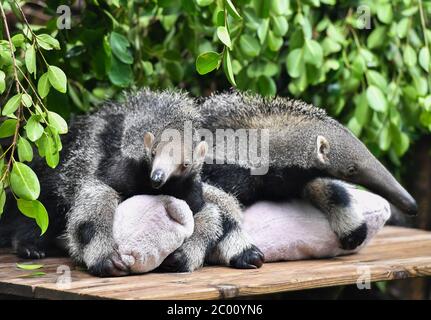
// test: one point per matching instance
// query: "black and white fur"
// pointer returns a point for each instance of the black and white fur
(309, 153)
(218, 237)
(107, 157)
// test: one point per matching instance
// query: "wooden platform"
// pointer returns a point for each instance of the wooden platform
(395, 253)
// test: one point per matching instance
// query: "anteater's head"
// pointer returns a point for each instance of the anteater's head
(338, 152)
(171, 159)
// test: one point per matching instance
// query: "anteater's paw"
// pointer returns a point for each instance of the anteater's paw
(355, 238)
(109, 266)
(178, 261)
(29, 251)
(250, 258)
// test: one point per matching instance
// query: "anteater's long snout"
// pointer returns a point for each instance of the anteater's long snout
(380, 181)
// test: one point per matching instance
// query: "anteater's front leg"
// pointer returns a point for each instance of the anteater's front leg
(234, 247)
(89, 229)
(333, 197)
(217, 237)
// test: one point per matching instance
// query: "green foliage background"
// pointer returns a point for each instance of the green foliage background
(375, 80)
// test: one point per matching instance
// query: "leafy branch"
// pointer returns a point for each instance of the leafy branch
(27, 120)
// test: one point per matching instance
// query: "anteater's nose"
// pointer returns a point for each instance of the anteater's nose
(157, 178)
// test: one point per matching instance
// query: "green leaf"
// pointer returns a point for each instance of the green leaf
(295, 63)
(377, 79)
(119, 46)
(2, 202)
(335, 34)
(279, 25)
(148, 68)
(52, 159)
(33, 275)
(257, 69)
(403, 27)
(377, 38)
(402, 143)
(33, 128)
(18, 40)
(266, 86)
(359, 66)
(376, 99)
(2, 199)
(305, 24)
(224, 37)
(232, 10)
(57, 122)
(409, 56)
(313, 53)
(384, 13)
(421, 85)
(204, 3)
(249, 45)
(361, 110)
(120, 73)
(385, 138)
(27, 101)
(424, 58)
(280, 7)
(354, 126)
(47, 42)
(330, 46)
(329, 2)
(274, 42)
(43, 85)
(25, 151)
(34, 209)
(220, 19)
(30, 59)
(57, 78)
(262, 31)
(227, 65)
(2, 81)
(175, 70)
(24, 182)
(207, 62)
(50, 147)
(7, 128)
(12, 104)
(28, 266)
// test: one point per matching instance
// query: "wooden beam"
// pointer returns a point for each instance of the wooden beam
(396, 253)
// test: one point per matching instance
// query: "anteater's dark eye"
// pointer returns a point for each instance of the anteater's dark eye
(186, 164)
(351, 170)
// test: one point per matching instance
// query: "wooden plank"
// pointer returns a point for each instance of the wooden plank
(395, 253)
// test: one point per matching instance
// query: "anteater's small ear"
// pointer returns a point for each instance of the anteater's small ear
(148, 140)
(322, 149)
(201, 151)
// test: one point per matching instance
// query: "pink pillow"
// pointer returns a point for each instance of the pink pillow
(149, 228)
(296, 230)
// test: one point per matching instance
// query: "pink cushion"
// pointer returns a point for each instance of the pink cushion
(296, 230)
(149, 228)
